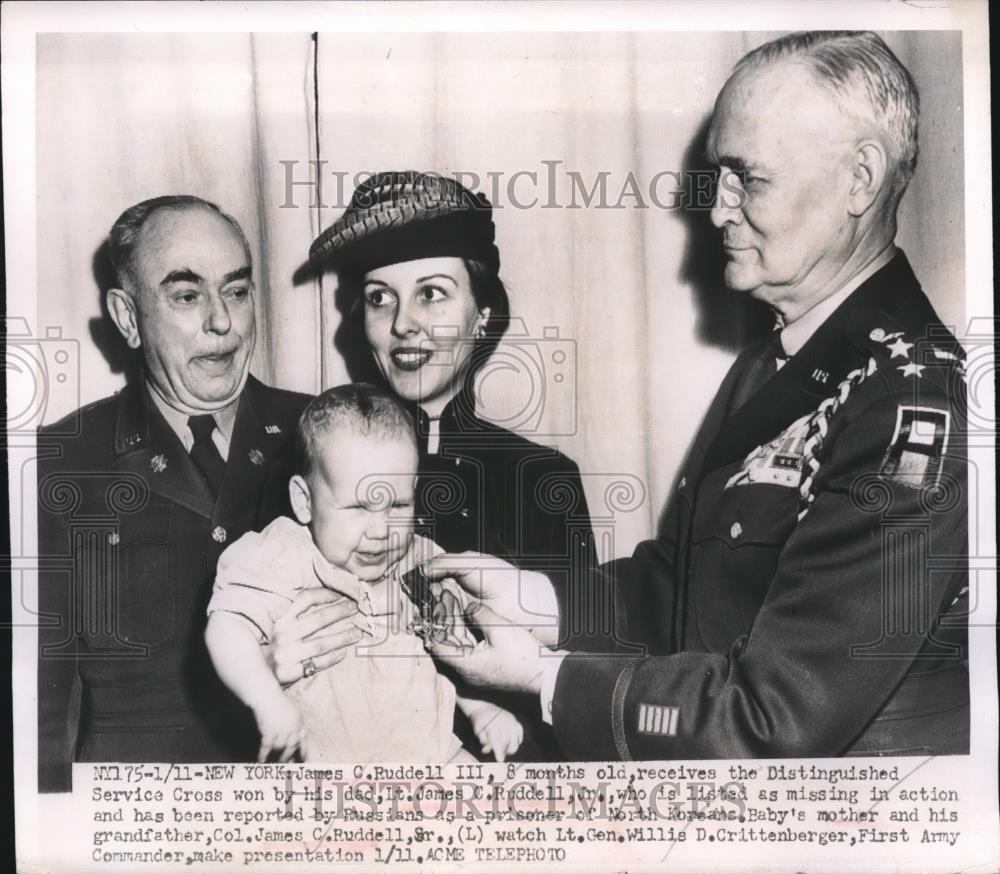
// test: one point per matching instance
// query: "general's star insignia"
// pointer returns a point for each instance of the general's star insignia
(912, 369)
(158, 463)
(900, 348)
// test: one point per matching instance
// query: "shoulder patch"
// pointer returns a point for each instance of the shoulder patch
(918, 444)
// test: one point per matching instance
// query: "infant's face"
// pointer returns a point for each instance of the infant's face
(362, 492)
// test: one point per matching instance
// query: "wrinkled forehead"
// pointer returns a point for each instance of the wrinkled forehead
(194, 239)
(777, 112)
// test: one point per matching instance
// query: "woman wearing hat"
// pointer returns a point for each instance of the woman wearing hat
(417, 258)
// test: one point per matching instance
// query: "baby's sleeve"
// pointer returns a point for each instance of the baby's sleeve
(256, 580)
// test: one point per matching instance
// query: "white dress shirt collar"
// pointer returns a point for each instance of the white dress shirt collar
(225, 421)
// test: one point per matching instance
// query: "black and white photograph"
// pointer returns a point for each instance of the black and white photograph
(523, 436)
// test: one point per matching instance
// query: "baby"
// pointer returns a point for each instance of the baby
(353, 496)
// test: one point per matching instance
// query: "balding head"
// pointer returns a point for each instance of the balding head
(866, 80)
(126, 233)
(812, 165)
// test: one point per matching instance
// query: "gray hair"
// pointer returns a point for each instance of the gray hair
(124, 234)
(859, 66)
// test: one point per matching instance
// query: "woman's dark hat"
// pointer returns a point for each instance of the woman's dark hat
(406, 215)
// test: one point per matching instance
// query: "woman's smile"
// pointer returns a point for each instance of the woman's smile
(421, 321)
(410, 358)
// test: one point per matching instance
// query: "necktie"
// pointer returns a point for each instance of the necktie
(204, 453)
(761, 368)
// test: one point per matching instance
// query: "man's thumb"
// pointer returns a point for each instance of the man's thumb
(493, 626)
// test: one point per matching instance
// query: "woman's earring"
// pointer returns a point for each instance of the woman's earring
(484, 315)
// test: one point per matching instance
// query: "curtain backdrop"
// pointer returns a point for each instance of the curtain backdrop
(623, 330)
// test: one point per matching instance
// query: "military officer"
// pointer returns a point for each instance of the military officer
(138, 495)
(807, 596)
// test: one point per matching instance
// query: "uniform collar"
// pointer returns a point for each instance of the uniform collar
(135, 411)
(145, 444)
(841, 343)
(133, 423)
(795, 334)
(225, 419)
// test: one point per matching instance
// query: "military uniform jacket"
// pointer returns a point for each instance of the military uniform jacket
(806, 596)
(129, 534)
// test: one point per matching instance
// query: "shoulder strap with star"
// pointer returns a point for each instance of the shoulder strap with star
(899, 357)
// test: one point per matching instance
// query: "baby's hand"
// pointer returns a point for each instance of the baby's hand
(498, 730)
(280, 725)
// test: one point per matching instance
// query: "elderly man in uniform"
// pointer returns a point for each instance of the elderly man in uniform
(139, 494)
(807, 598)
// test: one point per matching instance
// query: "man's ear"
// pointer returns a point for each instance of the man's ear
(870, 169)
(121, 306)
(301, 498)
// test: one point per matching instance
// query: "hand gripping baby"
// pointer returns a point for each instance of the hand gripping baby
(352, 497)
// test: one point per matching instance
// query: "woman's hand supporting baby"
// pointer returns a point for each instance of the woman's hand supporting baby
(320, 625)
